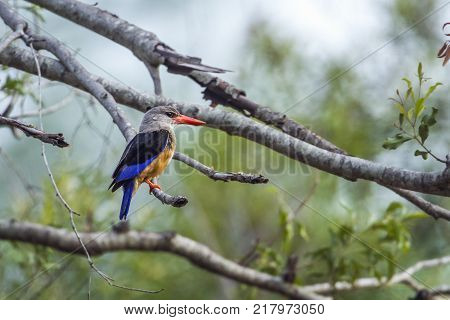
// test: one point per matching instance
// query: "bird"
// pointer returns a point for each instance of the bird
(148, 153)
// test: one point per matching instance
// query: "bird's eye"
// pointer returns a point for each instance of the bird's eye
(170, 114)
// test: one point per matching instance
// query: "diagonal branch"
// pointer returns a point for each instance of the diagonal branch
(140, 41)
(151, 49)
(79, 72)
(148, 48)
(220, 176)
(338, 164)
(196, 253)
(56, 139)
(361, 283)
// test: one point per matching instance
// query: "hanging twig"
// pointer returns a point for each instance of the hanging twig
(56, 139)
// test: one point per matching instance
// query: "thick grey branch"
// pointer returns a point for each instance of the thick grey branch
(84, 78)
(56, 139)
(101, 243)
(235, 124)
(58, 49)
(148, 48)
(216, 90)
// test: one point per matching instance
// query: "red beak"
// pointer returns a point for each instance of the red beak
(188, 120)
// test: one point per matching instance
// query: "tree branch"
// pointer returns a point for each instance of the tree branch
(11, 37)
(154, 73)
(58, 49)
(56, 139)
(338, 164)
(198, 254)
(85, 79)
(216, 90)
(433, 210)
(221, 176)
(151, 49)
(148, 48)
(361, 283)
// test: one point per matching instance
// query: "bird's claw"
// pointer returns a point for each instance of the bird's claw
(152, 185)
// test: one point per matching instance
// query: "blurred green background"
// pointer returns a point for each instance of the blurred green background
(332, 64)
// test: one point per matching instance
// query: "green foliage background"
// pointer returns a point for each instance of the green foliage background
(277, 70)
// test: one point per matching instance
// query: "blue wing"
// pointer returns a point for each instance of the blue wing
(139, 153)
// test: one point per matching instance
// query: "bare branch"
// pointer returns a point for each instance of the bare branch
(154, 73)
(149, 48)
(11, 37)
(433, 210)
(64, 56)
(175, 201)
(221, 176)
(216, 90)
(338, 164)
(361, 283)
(79, 72)
(198, 254)
(56, 139)
(54, 47)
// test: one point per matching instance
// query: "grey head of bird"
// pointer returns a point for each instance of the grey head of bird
(165, 117)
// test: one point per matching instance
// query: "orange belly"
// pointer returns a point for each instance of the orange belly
(157, 166)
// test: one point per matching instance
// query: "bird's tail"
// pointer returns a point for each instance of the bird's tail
(126, 199)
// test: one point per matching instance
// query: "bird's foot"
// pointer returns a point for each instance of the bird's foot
(152, 185)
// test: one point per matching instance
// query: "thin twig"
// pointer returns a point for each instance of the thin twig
(107, 278)
(174, 201)
(125, 95)
(434, 182)
(220, 176)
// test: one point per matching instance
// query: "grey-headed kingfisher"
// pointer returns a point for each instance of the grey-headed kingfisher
(148, 153)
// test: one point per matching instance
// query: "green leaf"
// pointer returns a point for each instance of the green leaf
(393, 207)
(414, 215)
(410, 113)
(431, 89)
(301, 229)
(401, 117)
(424, 154)
(408, 82)
(287, 227)
(423, 132)
(430, 119)
(419, 71)
(36, 11)
(408, 93)
(395, 142)
(420, 106)
(14, 86)
(400, 108)
(391, 267)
